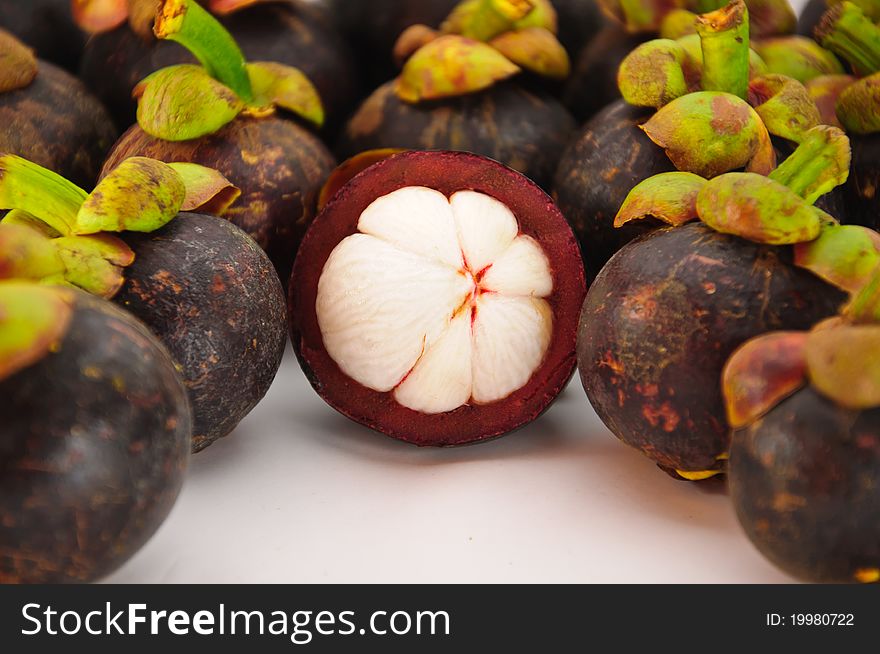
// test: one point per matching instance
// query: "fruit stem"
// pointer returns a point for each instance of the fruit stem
(819, 163)
(186, 23)
(724, 36)
(846, 31)
(39, 192)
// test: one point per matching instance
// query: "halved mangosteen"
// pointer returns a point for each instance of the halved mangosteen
(95, 435)
(49, 116)
(435, 299)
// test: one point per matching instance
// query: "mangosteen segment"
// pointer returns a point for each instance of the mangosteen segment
(437, 300)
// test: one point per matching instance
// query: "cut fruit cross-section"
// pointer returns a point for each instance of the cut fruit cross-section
(435, 299)
(414, 302)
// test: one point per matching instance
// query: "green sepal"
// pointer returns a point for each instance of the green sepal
(819, 164)
(798, 57)
(39, 192)
(843, 255)
(669, 197)
(858, 106)
(27, 253)
(639, 15)
(286, 87)
(33, 321)
(483, 20)
(785, 106)
(653, 74)
(825, 91)
(848, 33)
(678, 23)
(757, 208)
(843, 363)
(709, 133)
(139, 195)
(534, 49)
(184, 102)
(207, 190)
(94, 263)
(452, 66)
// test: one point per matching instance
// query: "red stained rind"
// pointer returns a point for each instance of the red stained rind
(446, 172)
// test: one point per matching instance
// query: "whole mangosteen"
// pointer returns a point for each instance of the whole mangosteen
(233, 126)
(47, 26)
(805, 450)
(451, 93)
(49, 116)
(120, 54)
(200, 284)
(95, 436)
(669, 308)
(435, 299)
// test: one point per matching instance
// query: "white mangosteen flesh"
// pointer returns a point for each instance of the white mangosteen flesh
(438, 300)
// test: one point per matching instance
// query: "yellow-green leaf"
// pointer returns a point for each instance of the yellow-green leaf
(207, 190)
(286, 87)
(535, 49)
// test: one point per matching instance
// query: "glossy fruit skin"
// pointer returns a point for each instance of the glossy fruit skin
(446, 172)
(210, 294)
(602, 163)
(578, 22)
(46, 26)
(593, 81)
(278, 165)
(94, 444)
(114, 62)
(803, 481)
(524, 130)
(662, 318)
(57, 123)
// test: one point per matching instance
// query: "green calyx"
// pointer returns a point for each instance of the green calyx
(819, 164)
(724, 35)
(56, 233)
(33, 321)
(846, 31)
(785, 106)
(481, 43)
(798, 57)
(843, 255)
(185, 102)
(771, 17)
(678, 23)
(18, 65)
(668, 197)
(709, 133)
(858, 106)
(825, 91)
(653, 74)
(843, 363)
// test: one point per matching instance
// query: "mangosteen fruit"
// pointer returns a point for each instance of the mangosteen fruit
(95, 436)
(805, 448)
(435, 299)
(455, 93)
(118, 56)
(607, 158)
(47, 26)
(49, 116)
(669, 308)
(234, 125)
(212, 296)
(200, 284)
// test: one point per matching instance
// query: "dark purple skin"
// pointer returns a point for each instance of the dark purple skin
(279, 167)
(524, 130)
(94, 444)
(861, 193)
(212, 297)
(57, 123)
(46, 26)
(601, 165)
(661, 320)
(114, 62)
(803, 481)
(593, 81)
(578, 22)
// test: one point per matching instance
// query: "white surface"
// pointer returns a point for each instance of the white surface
(298, 494)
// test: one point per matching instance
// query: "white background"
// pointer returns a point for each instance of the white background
(300, 494)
